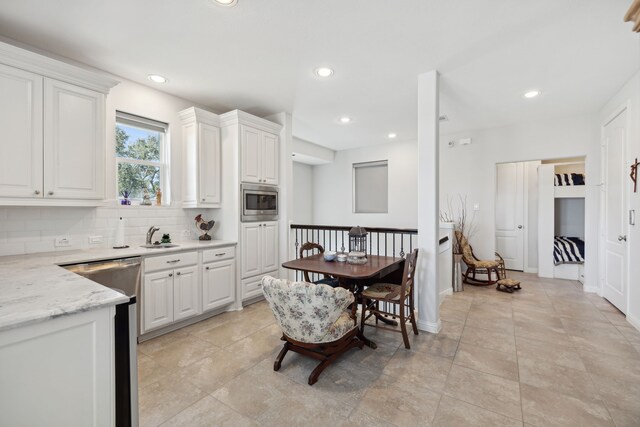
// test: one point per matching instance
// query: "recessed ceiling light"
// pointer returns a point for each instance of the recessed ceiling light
(227, 3)
(532, 94)
(157, 78)
(345, 119)
(323, 72)
(392, 135)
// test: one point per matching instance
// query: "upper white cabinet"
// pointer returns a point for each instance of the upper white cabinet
(21, 140)
(52, 116)
(202, 159)
(259, 156)
(74, 152)
(257, 145)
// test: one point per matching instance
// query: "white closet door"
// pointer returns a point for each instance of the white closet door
(510, 214)
(615, 207)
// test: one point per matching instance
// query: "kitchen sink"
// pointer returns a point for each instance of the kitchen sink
(160, 246)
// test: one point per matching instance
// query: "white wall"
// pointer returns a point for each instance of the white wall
(33, 229)
(630, 94)
(569, 217)
(470, 170)
(302, 193)
(332, 187)
(531, 181)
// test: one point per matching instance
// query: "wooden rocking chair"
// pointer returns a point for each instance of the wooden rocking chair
(477, 266)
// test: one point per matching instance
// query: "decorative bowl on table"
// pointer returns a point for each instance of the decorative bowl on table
(341, 257)
(329, 255)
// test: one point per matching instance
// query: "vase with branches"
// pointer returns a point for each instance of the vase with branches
(456, 212)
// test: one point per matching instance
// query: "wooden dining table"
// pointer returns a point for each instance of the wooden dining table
(354, 276)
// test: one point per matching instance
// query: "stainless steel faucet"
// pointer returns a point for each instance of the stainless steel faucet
(152, 230)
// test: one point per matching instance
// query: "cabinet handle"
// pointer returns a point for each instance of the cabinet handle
(221, 254)
(36, 192)
(51, 193)
(207, 268)
(170, 274)
(204, 200)
(178, 273)
(173, 261)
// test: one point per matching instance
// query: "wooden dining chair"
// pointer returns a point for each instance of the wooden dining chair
(326, 279)
(399, 296)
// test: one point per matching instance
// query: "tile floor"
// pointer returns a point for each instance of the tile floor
(548, 355)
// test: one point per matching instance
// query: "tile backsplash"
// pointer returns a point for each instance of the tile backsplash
(26, 230)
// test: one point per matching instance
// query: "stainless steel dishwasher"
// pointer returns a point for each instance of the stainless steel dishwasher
(122, 275)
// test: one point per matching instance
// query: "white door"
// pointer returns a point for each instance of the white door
(270, 253)
(186, 294)
(218, 284)
(269, 158)
(251, 154)
(74, 155)
(209, 164)
(21, 125)
(510, 214)
(157, 299)
(615, 208)
(251, 249)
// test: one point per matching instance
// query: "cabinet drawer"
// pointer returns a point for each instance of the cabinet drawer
(174, 260)
(218, 254)
(252, 287)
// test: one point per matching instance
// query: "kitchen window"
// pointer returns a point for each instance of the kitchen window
(141, 158)
(371, 187)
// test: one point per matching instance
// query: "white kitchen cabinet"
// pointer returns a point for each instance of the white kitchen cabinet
(186, 293)
(259, 248)
(171, 289)
(52, 116)
(21, 124)
(218, 284)
(259, 156)
(202, 159)
(74, 153)
(157, 299)
(59, 372)
(252, 286)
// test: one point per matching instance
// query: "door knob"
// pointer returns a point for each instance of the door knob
(622, 238)
(519, 227)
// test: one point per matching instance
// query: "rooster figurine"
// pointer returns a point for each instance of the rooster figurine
(204, 227)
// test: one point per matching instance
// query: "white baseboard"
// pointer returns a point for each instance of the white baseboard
(448, 291)
(590, 289)
(635, 322)
(531, 270)
(434, 328)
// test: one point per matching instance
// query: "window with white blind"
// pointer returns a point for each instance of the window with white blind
(371, 187)
(141, 156)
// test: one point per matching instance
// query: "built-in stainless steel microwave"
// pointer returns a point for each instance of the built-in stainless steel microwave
(259, 203)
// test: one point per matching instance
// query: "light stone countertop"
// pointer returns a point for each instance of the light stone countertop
(33, 288)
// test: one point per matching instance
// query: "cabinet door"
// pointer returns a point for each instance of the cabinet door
(269, 158)
(269, 255)
(186, 293)
(251, 154)
(251, 288)
(251, 249)
(218, 284)
(209, 164)
(21, 125)
(74, 132)
(157, 299)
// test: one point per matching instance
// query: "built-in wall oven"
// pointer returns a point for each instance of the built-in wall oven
(259, 203)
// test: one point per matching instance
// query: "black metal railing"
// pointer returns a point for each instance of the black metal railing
(392, 242)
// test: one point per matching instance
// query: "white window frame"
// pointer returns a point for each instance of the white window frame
(356, 166)
(144, 123)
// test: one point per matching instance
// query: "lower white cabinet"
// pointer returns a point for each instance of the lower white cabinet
(252, 287)
(218, 284)
(59, 372)
(182, 285)
(259, 248)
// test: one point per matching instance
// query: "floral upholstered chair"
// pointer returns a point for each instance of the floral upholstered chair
(315, 320)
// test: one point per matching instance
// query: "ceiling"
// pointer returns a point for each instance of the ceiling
(259, 56)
